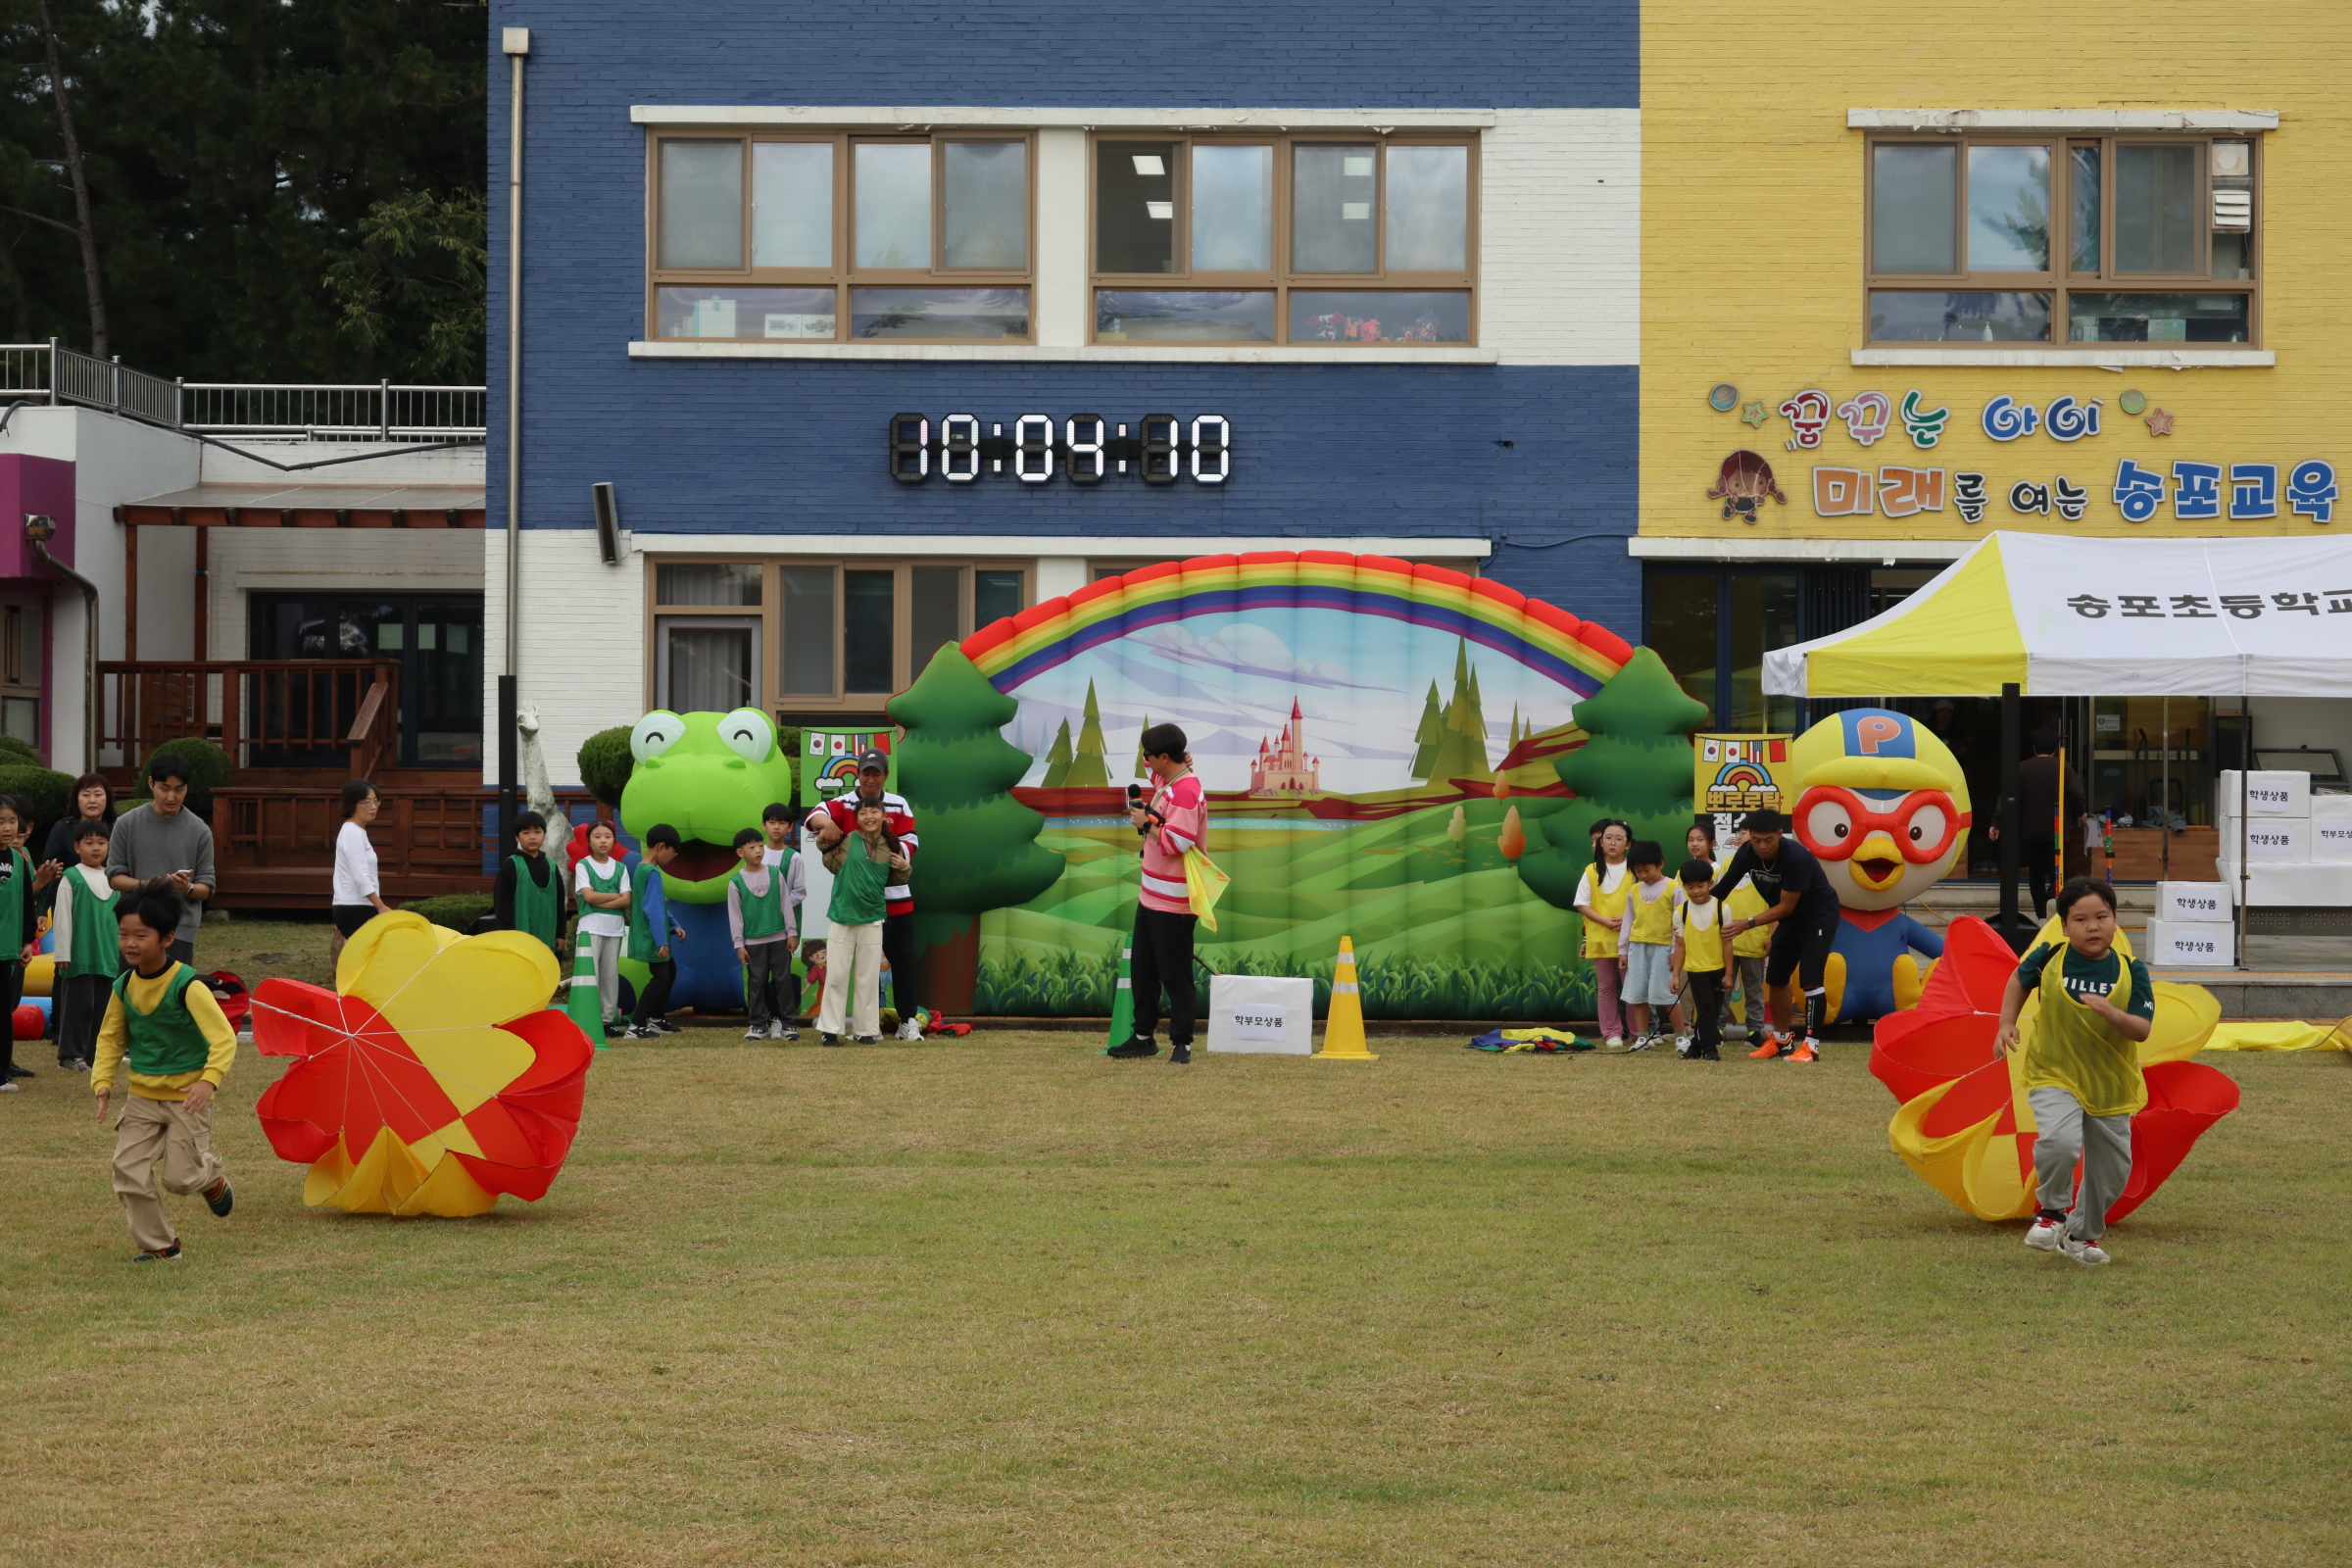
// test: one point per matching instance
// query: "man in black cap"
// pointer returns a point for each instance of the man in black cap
(839, 815)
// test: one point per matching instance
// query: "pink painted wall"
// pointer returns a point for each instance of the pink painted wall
(30, 486)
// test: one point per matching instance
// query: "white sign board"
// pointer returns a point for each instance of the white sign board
(2171, 943)
(2206, 901)
(1262, 1013)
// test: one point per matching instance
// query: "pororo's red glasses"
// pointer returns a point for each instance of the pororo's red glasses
(1832, 822)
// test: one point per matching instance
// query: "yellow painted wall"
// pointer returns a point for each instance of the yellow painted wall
(1752, 245)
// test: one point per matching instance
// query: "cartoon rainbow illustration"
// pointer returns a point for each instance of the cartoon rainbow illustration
(1578, 654)
(1742, 776)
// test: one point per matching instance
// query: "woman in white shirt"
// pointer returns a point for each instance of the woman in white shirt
(357, 898)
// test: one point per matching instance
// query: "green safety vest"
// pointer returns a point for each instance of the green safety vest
(763, 913)
(538, 910)
(166, 1041)
(645, 943)
(603, 884)
(13, 883)
(97, 931)
(857, 895)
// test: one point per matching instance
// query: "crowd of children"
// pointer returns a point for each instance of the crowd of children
(622, 909)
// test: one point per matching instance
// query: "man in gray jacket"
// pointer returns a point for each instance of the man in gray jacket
(165, 839)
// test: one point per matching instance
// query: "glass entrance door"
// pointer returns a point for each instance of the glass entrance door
(436, 638)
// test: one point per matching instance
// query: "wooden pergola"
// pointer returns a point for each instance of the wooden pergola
(264, 505)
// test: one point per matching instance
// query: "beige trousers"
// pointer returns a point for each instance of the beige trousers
(847, 949)
(149, 1130)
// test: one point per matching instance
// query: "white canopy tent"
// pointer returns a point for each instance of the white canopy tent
(2063, 617)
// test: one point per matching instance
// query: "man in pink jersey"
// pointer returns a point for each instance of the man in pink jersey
(1173, 820)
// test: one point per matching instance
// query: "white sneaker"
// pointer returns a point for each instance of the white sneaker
(755, 1032)
(911, 1030)
(1642, 1042)
(1681, 1044)
(2046, 1235)
(1615, 1042)
(7, 1086)
(2087, 1252)
(775, 1029)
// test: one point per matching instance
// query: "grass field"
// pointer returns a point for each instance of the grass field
(1004, 1301)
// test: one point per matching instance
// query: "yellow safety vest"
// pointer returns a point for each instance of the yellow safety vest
(1653, 919)
(1745, 903)
(1701, 926)
(2076, 1050)
(1608, 909)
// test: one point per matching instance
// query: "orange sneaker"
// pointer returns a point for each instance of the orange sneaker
(1770, 1048)
(1809, 1049)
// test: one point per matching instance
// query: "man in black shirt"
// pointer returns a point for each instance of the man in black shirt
(1801, 907)
(2039, 840)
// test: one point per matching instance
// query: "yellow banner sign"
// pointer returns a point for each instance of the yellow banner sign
(1733, 774)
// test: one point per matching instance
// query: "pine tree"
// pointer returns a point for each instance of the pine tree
(1058, 760)
(956, 770)
(1636, 765)
(1141, 771)
(1462, 738)
(1087, 768)
(1426, 738)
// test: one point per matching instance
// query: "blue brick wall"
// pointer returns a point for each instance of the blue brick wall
(777, 446)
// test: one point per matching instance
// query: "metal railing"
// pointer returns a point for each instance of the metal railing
(50, 372)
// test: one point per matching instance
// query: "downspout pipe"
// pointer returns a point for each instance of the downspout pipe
(39, 530)
(517, 45)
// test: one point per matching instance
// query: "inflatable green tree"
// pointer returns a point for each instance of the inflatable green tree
(1636, 764)
(979, 845)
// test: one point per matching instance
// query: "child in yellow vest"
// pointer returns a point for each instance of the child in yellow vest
(164, 1022)
(1600, 894)
(1698, 958)
(1646, 943)
(1748, 952)
(2082, 1074)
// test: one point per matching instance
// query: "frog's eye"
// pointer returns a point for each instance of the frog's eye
(749, 733)
(656, 732)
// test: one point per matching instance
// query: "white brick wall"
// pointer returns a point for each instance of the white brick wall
(1560, 236)
(582, 642)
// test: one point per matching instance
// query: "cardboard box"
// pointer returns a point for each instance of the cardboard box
(2280, 840)
(2273, 886)
(1262, 1013)
(2174, 944)
(2267, 794)
(2187, 902)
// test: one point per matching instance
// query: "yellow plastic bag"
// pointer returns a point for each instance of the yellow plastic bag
(1206, 884)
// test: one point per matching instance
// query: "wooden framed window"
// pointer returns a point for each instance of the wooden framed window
(812, 634)
(840, 238)
(1329, 238)
(2080, 239)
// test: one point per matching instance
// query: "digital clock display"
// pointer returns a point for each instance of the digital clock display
(1085, 448)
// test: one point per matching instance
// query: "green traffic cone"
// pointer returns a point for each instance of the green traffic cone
(1122, 999)
(586, 1008)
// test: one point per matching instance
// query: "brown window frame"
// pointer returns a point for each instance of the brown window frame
(769, 612)
(841, 276)
(1280, 280)
(2061, 281)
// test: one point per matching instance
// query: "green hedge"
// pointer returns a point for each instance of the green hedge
(606, 764)
(456, 910)
(206, 762)
(49, 793)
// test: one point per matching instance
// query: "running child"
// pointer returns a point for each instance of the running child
(1600, 896)
(1698, 958)
(651, 930)
(601, 884)
(764, 931)
(164, 1025)
(1645, 942)
(529, 895)
(2082, 1074)
(862, 864)
(87, 949)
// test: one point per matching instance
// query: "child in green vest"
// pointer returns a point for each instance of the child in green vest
(863, 864)
(87, 951)
(163, 1023)
(600, 885)
(2082, 1074)
(19, 928)
(764, 929)
(529, 895)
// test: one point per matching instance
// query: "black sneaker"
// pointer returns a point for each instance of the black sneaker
(870, 1040)
(669, 1028)
(1179, 1055)
(169, 1254)
(220, 1199)
(1134, 1047)
(830, 1040)
(17, 1070)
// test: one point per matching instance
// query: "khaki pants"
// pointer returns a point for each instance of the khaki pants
(847, 949)
(149, 1130)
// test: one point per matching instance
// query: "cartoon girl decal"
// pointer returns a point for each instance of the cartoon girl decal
(1743, 484)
